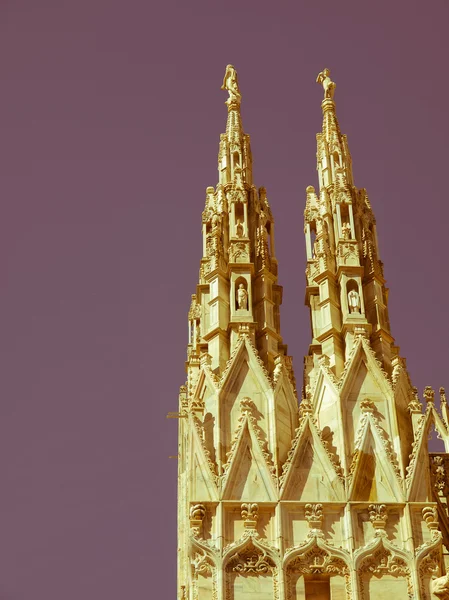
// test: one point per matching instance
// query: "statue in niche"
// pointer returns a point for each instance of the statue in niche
(346, 231)
(328, 85)
(231, 84)
(242, 297)
(354, 301)
(239, 229)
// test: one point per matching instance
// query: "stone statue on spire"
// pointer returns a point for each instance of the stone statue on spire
(231, 84)
(328, 85)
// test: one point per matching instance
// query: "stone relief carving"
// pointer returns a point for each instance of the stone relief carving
(250, 514)
(440, 587)
(314, 517)
(378, 516)
(439, 475)
(382, 561)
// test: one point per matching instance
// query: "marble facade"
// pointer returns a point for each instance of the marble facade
(325, 490)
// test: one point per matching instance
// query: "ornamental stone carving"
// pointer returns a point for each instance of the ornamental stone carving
(231, 85)
(275, 495)
(328, 85)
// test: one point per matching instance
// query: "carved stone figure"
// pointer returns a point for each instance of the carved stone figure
(354, 301)
(242, 297)
(231, 84)
(346, 231)
(440, 587)
(328, 85)
(239, 228)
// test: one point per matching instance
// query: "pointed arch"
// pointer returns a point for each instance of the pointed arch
(363, 352)
(204, 563)
(373, 464)
(203, 479)
(309, 461)
(382, 558)
(253, 564)
(316, 557)
(418, 472)
(247, 542)
(235, 362)
(248, 475)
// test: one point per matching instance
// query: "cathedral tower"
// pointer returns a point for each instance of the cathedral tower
(335, 497)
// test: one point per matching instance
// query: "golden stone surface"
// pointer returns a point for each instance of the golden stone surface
(332, 497)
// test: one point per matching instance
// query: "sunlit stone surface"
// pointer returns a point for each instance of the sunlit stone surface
(334, 496)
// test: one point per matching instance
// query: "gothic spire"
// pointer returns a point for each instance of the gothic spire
(342, 252)
(234, 158)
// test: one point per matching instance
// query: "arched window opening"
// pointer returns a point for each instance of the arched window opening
(337, 161)
(239, 219)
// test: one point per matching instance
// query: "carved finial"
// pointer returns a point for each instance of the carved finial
(231, 84)
(429, 394)
(314, 516)
(378, 516)
(439, 475)
(197, 514)
(430, 516)
(414, 406)
(367, 405)
(246, 405)
(443, 395)
(250, 515)
(328, 85)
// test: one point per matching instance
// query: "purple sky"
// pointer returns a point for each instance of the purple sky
(110, 115)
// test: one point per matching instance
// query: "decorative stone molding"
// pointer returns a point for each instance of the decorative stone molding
(314, 517)
(429, 394)
(381, 557)
(378, 516)
(316, 557)
(247, 407)
(439, 475)
(430, 516)
(200, 430)
(250, 515)
(197, 514)
(415, 406)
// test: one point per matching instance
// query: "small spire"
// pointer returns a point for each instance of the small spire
(234, 158)
(331, 128)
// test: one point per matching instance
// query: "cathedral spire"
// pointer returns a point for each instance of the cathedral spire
(238, 288)
(346, 289)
